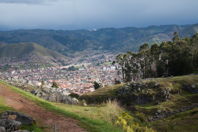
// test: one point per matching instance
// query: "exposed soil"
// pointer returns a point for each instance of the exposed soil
(51, 122)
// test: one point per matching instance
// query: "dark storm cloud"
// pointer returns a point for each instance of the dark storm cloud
(96, 13)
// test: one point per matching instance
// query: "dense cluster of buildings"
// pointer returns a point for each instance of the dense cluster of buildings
(78, 80)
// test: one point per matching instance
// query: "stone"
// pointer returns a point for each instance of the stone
(22, 131)
(158, 111)
(2, 129)
(24, 119)
(193, 86)
(10, 125)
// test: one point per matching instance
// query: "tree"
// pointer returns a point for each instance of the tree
(72, 68)
(121, 61)
(96, 85)
(177, 57)
(144, 47)
(74, 95)
(42, 83)
(117, 81)
(175, 36)
(54, 84)
(155, 50)
(181, 58)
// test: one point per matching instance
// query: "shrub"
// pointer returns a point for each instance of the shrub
(96, 85)
(128, 124)
(54, 85)
(112, 110)
(74, 95)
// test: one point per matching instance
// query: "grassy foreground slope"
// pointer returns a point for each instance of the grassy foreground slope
(178, 113)
(92, 125)
(4, 107)
(181, 108)
(182, 122)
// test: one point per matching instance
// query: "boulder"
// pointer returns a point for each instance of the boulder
(142, 93)
(24, 119)
(10, 125)
(2, 129)
(54, 95)
(22, 131)
(191, 88)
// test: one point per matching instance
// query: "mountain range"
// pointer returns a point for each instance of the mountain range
(61, 43)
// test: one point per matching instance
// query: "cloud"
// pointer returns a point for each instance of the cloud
(75, 14)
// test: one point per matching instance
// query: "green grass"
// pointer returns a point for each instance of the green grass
(179, 99)
(102, 95)
(3, 107)
(107, 112)
(176, 82)
(182, 122)
(175, 103)
(108, 90)
(169, 82)
(98, 118)
(173, 84)
(92, 125)
(32, 128)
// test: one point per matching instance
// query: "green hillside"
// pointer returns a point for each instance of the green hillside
(22, 49)
(172, 114)
(111, 39)
(165, 104)
(174, 83)
(29, 52)
(86, 122)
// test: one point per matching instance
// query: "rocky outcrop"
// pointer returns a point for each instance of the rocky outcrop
(24, 119)
(191, 88)
(53, 95)
(142, 93)
(10, 125)
(159, 114)
(2, 129)
(48, 93)
(11, 121)
(133, 93)
(21, 131)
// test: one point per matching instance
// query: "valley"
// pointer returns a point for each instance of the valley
(152, 89)
(98, 66)
(74, 59)
(78, 77)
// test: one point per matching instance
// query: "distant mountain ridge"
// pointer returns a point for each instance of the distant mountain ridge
(29, 53)
(110, 39)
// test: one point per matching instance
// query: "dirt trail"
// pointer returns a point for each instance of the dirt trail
(50, 121)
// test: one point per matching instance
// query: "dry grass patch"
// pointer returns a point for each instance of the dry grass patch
(107, 111)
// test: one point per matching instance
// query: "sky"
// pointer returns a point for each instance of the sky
(94, 14)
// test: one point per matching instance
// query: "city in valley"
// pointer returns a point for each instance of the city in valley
(78, 77)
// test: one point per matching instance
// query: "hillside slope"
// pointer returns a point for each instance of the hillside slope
(111, 39)
(165, 104)
(29, 53)
(47, 115)
(46, 118)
